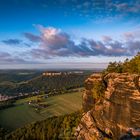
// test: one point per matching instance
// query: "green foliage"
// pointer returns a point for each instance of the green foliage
(130, 66)
(6, 104)
(54, 128)
(98, 90)
(114, 67)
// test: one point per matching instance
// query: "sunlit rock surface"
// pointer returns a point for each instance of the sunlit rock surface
(114, 114)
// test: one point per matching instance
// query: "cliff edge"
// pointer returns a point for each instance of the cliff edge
(112, 107)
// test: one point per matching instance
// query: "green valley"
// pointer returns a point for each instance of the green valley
(23, 113)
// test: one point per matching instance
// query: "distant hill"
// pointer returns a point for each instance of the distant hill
(43, 83)
(16, 76)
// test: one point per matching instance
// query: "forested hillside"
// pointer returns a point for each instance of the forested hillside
(54, 128)
(61, 82)
(44, 83)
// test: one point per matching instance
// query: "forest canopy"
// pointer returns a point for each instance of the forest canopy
(130, 66)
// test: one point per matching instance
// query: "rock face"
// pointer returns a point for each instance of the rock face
(114, 113)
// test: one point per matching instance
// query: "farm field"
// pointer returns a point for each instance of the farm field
(23, 113)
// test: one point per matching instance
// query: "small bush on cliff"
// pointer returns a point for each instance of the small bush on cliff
(130, 66)
(98, 90)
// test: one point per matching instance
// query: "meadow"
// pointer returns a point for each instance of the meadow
(23, 113)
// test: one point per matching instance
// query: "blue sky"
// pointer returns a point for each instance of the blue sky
(67, 33)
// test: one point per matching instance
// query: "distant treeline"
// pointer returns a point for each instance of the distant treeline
(16, 76)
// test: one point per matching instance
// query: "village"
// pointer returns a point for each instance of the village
(4, 97)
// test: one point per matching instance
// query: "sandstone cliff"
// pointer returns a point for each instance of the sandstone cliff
(113, 112)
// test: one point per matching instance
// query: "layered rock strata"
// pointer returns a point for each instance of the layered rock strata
(114, 112)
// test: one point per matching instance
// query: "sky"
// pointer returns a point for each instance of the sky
(67, 33)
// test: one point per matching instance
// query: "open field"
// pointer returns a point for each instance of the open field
(23, 113)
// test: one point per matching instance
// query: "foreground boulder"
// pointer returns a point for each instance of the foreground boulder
(114, 111)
